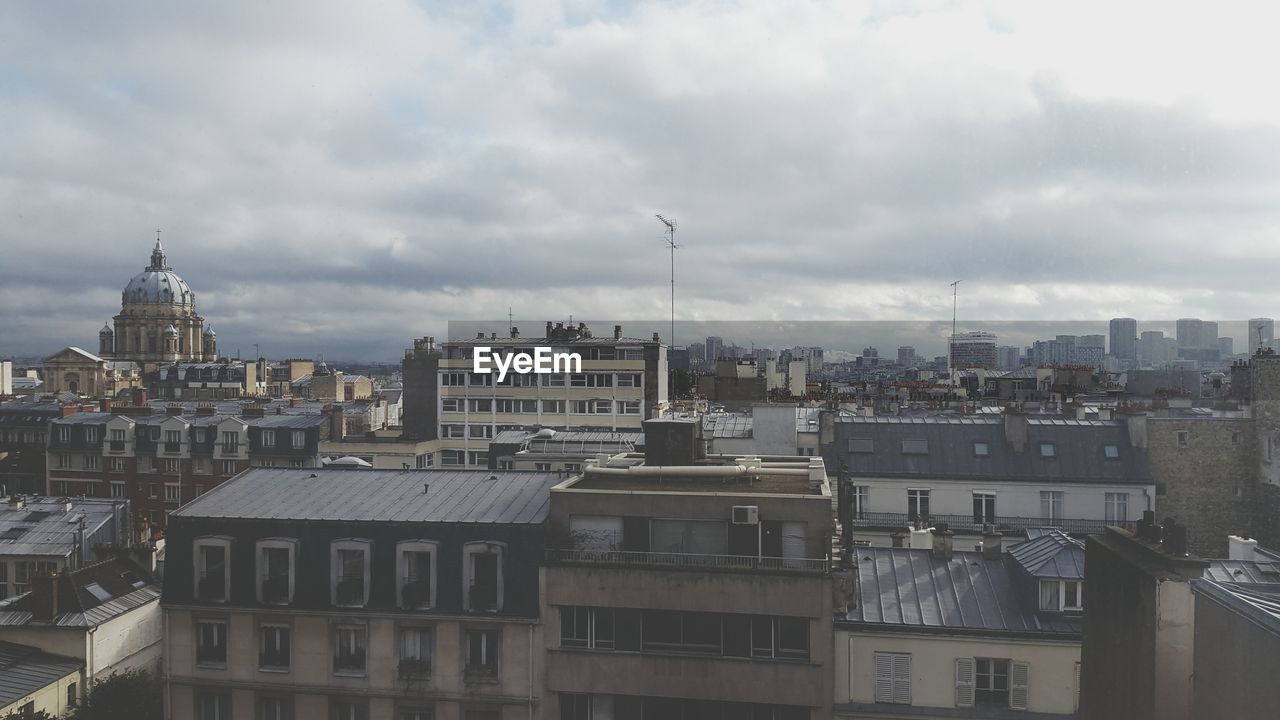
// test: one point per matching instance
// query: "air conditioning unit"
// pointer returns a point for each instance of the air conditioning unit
(746, 515)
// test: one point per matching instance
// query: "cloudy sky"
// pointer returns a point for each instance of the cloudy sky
(338, 178)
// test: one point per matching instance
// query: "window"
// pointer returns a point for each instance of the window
(171, 466)
(453, 457)
(480, 406)
(299, 439)
(478, 458)
(211, 643)
(587, 628)
(480, 379)
(1051, 505)
(416, 714)
(350, 566)
(1047, 450)
(629, 380)
(451, 405)
(212, 577)
(479, 432)
(274, 707)
(90, 462)
(915, 446)
(573, 467)
(893, 678)
(268, 438)
(553, 380)
(453, 431)
(416, 571)
(200, 466)
(64, 461)
(482, 653)
(984, 507)
(211, 705)
(861, 500)
(198, 435)
(981, 449)
(1111, 452)
(275, 571)
(64, 434)
(117, 435)
(172, 493)
(345, 709)
(415, 652)
(4, 580)
(542, 467)
(349, 649)
(553, 406)
(628, 407)
(230, 441)
(118, 465)
(1060, 595)
(1184, 438)
(1117, 507)
(72, 696)
(90, 434)
(453, 379)
(991, 682)
(917, 504)
(273, 647)
(482, 565)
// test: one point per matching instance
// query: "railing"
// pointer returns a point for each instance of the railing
(230, 448)
(212, 587)
(415, 593)
(484, 598)
(275, 590)
(350, 592)
(172, 447)
(969, 523)
(692, 561)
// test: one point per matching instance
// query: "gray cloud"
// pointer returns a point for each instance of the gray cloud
(338, 179)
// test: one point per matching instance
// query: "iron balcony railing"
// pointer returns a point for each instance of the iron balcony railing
(275, 590)
(970, 523)
(691, 561)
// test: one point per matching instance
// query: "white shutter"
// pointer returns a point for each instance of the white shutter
(902, 679)
(1019, 676)
(793, 536)
(884, 678)
(964, 682)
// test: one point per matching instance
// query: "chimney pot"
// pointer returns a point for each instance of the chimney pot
(617, 332)
(942, 542)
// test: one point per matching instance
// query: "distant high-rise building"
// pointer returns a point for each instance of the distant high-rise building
(870, 352)
(812, 357)
(1008, 357)
(1124, 338)
(714, 347)
(973, 349)
(1059, 351)
(1226, 347)
(1261, 332)
(906, 356)
(1189, 333)
(697, 354)
(1209, 335)
(1089, 350)
(1151, 348)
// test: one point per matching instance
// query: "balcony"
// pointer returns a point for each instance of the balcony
(116, 446)
(686, 561)
(349, 592)
(230, 449)
(173, 448)
(967, 523)
(275, 590)
(484, 598)
(415, 669)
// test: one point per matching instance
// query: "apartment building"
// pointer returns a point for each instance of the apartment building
(40, 536)
(681, 587)
(622, 382)
(23, 428)
(33, 681)
(942, 633)
(1011, 470)
(159, 462)
(374, 595)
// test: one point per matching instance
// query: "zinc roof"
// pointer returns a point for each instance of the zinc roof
(453, 496)
(1052, 555)
(25, 669)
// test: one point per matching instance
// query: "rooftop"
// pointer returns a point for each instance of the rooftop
(88, 596)
(25, 670)
(1259, 603)
(45, 526)
(453, 496)
(911, 590)
(764, 484)
(1053, 554)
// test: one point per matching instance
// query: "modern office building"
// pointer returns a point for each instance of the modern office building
(973, 349)
(1123, 334)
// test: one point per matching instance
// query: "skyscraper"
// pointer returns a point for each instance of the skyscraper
(714, 347)
(1124, 338)
(973, 349)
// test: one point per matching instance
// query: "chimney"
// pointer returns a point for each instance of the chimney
(1240, 548)
(897, 538)
(656, 338)
(515, 332)
(942, 542)
(1015, 429)
(479, 336)
(173, 410)
(337, 428)
(105, 405)
(44, 597)
(617, 332)
(991, 542)
(139, 396)
(548, 328)
(204, 410)
(69, 410)
(1137, 429)
(1175, 538)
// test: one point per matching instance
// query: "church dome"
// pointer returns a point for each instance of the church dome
(158, 283)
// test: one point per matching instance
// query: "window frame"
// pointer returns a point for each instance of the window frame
(365, 546)
(469, 551)
(403, 547)
(215, 622)
(359, 631)
(260, 567)
(201, 568)
(263, 629)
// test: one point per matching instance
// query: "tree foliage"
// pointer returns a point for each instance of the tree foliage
(128, 695)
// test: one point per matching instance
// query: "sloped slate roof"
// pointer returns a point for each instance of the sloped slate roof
(1052, 555)
(1078, 453)
(1243, 571)
(25, 669)
(907, 589)
(454, 496)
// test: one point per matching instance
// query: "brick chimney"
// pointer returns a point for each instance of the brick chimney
(69, 410)
(105, 405)
(617, 332)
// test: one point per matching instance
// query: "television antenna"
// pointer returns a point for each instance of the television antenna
(671, 243)
(955, 294)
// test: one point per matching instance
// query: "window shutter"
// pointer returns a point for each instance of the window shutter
(902, 679)
(1019, 676)
(884, 677)
(964, 682)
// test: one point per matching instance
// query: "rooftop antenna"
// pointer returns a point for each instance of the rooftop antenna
(510, 323)
(671, 243)
(955, 294)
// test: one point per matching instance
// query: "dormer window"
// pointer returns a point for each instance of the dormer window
(349, 586)
(1061, 596)
(1112, 452)
(981, 449)
(276, 561)
(416, 574)
(212, 563)
(482, 568)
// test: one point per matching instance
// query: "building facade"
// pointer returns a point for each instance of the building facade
(357, 595)
(972, 349)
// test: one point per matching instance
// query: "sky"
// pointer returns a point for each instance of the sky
(338, 178)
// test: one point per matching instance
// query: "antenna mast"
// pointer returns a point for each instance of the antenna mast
(671, 243)
(955, 293)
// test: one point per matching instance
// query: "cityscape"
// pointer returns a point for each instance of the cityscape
(948, 392)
